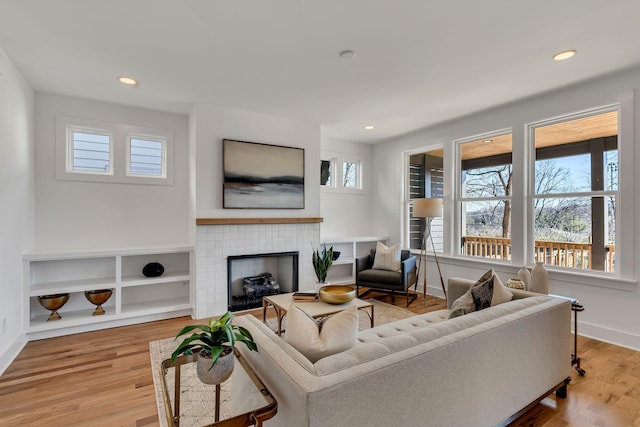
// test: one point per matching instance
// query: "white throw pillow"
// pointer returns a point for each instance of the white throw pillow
(387, 258)
(338, 333)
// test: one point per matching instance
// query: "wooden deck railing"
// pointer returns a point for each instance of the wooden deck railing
(563, 254)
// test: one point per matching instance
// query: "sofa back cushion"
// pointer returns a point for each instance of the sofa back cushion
(406, 333)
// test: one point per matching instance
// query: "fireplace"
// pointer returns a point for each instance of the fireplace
(251, 277)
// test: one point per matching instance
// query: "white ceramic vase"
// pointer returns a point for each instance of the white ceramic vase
(539, 279)
(525, 276)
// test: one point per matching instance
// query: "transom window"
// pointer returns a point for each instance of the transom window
(146, 156)
(90, 151)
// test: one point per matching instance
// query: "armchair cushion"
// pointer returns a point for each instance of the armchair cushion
(387, 258)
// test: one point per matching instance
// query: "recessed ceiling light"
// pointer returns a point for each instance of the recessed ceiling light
(565, 54)
(348, 54)
(368, 127)
(486, 141)
(127, 81)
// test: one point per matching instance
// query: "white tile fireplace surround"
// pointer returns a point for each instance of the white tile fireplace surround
(216, 242)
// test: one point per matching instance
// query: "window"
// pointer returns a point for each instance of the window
(89, 151)
(95, 151)
(146, 156)
(484, 195)
(575, 189)
(425, 177)
(351, 174)
(327, 172)
(341, 173)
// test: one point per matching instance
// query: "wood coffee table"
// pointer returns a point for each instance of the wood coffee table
(314, 309)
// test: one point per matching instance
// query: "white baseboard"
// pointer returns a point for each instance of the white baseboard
(12, 352)
(608, 335)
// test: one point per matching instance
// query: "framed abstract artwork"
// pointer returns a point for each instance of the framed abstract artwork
(262, 176)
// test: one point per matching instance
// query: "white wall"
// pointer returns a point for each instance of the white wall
(345, 213)
(213, 124)
(72, 215)
(611, 306)
(17, 198)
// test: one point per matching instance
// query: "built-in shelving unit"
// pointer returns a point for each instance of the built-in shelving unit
(343, 269)
(135, 298)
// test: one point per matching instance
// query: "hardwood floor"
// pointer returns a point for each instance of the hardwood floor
(103, 378)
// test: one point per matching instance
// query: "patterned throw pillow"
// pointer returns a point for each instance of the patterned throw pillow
(387, 258)
(489, 291)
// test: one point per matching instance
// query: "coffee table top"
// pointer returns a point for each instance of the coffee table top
(314, 308)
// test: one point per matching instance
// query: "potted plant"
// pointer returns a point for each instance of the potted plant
(215, 343)
(322, 260)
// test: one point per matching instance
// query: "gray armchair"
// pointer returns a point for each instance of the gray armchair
(385, 280)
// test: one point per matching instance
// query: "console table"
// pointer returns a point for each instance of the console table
(576, 307)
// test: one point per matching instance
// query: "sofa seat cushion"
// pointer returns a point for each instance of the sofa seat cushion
(406, 333)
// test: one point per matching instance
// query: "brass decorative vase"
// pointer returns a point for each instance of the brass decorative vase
(220, 372)
(98, 297)
(53, 302)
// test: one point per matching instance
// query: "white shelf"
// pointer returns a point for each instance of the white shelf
(78, 285)
(343, 270)
(165, 278)
(121, 271)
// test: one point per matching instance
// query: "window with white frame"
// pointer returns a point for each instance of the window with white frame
(96, 151)
(484, 194)
(424, 179)
(575, 189)
(146, 156)
(89, 150)
(340, 173)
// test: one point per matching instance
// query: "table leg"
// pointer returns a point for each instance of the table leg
(217, 408)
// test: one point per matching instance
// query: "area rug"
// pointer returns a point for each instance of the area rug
(198, 411)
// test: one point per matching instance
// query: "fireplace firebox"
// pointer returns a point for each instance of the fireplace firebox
(251, 277)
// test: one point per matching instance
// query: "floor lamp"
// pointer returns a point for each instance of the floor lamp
(428, 209)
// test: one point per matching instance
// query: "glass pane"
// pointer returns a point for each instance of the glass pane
(325, 172)
(486, 229)
(576, 232)
(569, 174)
(611, 170)
(425, 179)
(146, 157)
(350, 174)
(91, 152)
(485, 166)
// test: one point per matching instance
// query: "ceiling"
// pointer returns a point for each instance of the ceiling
(417, 62)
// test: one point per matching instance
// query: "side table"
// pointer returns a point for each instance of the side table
(576, 307)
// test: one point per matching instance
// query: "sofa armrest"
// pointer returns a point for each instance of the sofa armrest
(456, 287)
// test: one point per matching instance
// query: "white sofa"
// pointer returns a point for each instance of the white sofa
(475, 370)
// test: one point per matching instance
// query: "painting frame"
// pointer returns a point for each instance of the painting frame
(262, 176)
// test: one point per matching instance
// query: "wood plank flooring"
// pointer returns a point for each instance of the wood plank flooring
(103, 378)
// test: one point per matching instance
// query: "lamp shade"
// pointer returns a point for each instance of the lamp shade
(427, 208)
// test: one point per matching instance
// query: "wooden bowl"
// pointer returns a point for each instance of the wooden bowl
(336, 294)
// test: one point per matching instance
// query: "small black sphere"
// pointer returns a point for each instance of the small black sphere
(153, 269)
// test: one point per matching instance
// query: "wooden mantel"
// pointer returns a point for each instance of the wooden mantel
(236, 221)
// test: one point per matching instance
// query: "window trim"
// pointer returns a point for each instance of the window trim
(457, 193)
(337, 160)
(119, 158)
(625, 267)
(152, 138)
(70, 148)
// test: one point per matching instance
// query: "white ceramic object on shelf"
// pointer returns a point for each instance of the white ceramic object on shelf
(525, 276)
(539, 279)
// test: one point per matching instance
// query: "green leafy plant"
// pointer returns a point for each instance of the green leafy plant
(212, 339)
(322, 260)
